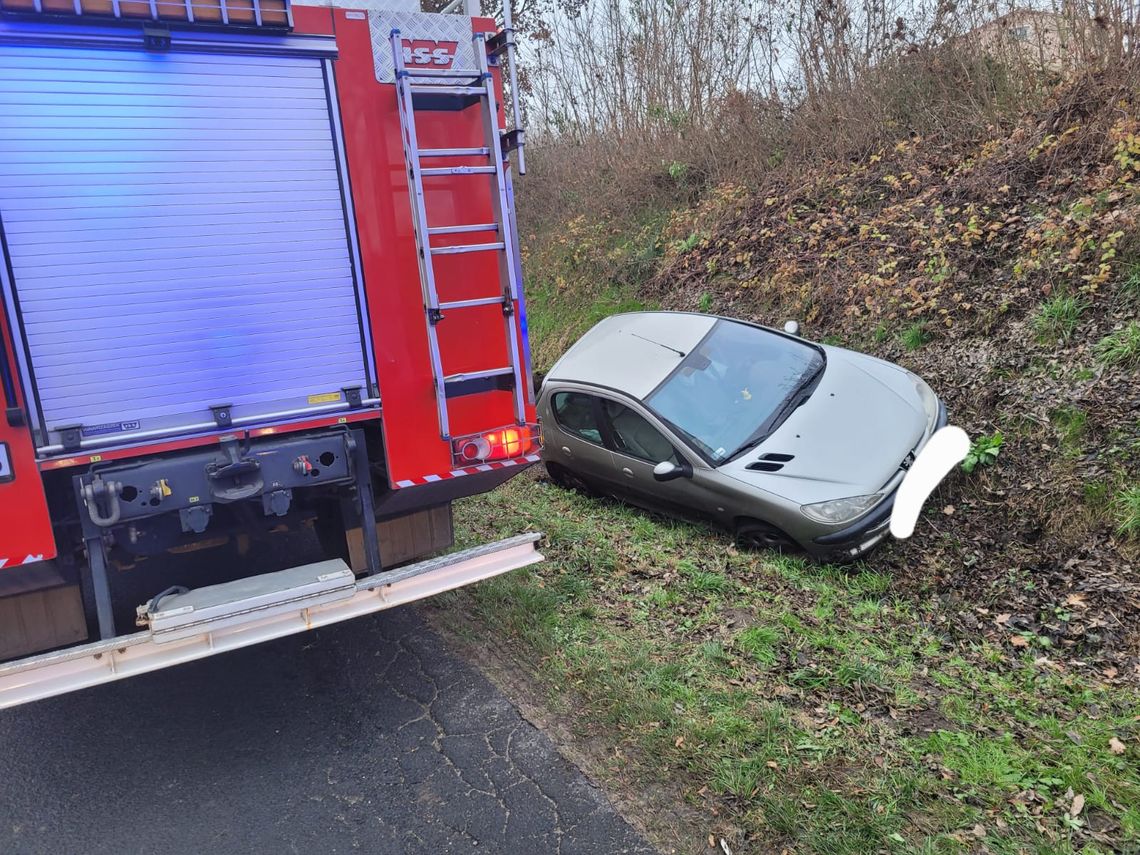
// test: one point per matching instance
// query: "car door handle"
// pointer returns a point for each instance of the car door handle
(627, 471)
(566, 450)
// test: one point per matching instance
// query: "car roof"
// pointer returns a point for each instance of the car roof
(633, 352)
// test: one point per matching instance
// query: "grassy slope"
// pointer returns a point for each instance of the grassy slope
(797, 706)
(972, 690)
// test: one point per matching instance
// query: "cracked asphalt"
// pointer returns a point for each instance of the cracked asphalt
(369, 736)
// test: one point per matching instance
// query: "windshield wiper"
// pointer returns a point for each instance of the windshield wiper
(793, 402)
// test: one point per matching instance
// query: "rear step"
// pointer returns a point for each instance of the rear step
(196, 624)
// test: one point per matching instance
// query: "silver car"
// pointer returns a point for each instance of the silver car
(787, 443)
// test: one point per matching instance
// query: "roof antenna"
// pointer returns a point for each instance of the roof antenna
(680, 353)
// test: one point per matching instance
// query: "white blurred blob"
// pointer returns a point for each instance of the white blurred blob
(945, 450)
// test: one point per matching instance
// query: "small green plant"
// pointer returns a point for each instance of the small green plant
(914, 336)
(678, 171)
(983, 451)
(1121, 347)
(688, 244)
(1127, 505)
(705, 302)
(881, 334)
(1057, 318)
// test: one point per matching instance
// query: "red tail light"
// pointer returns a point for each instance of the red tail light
(504, 443)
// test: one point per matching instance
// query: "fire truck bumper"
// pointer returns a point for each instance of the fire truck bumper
(192, 625)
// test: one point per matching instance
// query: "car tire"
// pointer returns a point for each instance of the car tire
(566, 479)
(755, 535)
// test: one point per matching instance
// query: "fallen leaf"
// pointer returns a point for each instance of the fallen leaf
(1116, 746)
(1110, 672)
(772, 764)
(712, 842)
(979, 831)
(1002, 618)
(1019, 641)
(1077, 806)
(1076, 600)
(948, 510)
(678, 741)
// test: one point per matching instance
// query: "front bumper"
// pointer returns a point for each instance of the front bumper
(872, 528)
(860, 537)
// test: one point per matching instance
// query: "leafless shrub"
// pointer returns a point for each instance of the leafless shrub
(629, 100)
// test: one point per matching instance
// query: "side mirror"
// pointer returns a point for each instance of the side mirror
(667, 470)
(792, 327)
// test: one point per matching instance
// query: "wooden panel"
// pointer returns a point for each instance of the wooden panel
(405, 538)
(30, 577)
(41, 620)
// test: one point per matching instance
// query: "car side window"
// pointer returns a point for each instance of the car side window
(575, 414)
(635, 436)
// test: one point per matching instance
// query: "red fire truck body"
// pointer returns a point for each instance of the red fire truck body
(260, 275)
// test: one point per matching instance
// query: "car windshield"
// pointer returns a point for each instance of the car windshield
(734, 388)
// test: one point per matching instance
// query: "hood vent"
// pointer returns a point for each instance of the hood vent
(771, 462)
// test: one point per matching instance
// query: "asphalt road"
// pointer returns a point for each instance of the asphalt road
(370, 736)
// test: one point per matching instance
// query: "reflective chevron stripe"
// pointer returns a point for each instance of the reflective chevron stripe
(31, 559)
(469, 470)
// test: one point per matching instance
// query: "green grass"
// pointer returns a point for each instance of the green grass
(1127, 507)
(600, 272)
(1070, 423)
(914, 336)
(1056, 319)
(1130, 284)
(1121, 347)
(811, 706)
(1096, 495)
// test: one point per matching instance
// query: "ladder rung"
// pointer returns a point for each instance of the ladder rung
(457, 74)
(425, 99)
(458, 230)
(437, 89)
(455, 152)
(467, 304)
(478, 375)
(458, 170)
(467, 247)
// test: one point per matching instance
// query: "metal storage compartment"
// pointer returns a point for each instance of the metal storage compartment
(178, 236)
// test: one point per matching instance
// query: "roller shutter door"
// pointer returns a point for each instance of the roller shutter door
(177, 237)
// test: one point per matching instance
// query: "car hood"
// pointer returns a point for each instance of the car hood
(850, 438)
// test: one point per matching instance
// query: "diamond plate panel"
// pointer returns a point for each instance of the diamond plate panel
(430, 41)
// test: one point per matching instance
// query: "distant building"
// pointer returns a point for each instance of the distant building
(1025, 36)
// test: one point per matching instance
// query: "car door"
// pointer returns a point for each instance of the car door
(576, 439)
(638, 446)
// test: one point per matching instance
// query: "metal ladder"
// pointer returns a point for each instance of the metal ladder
(420, 90)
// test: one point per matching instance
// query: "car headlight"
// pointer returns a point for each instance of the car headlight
(840, 510)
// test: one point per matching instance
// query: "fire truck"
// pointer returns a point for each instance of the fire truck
(260, 279)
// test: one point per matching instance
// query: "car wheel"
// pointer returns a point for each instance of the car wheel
(757, 535)
(563, 477)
